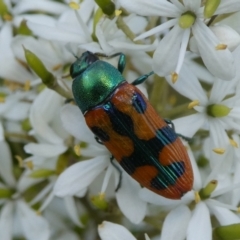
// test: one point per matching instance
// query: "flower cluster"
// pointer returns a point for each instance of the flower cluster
(57, 179)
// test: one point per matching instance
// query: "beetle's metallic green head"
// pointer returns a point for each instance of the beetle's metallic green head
(94, 81)
(82, 63)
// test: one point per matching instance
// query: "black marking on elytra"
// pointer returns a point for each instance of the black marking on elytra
(164, 178)
(146, 152)
(139, 103)
(121, 123)
(166, 134)
(103, 136)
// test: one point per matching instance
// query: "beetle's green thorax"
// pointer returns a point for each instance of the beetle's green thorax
(94, 81)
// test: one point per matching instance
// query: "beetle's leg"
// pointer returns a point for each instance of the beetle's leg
(171, 124)
(142, 78)
(119, 171)
(121, 61)
(98, 140)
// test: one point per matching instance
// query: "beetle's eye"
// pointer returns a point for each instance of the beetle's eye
(91, 58)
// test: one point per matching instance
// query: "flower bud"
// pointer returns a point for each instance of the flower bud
(211, 7)
(187, 20)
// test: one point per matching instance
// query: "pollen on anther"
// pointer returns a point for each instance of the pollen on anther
(197, 197)
(193, 104)
(74, 5)
(221, 46)
(27, 85)
(219, 150)
(77, 150)
(233, 143)
(174, 77)
(118, 13)
(30, 165)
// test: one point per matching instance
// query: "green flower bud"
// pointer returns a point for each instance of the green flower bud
(107, 6)
(23, 29)
(26, 125)
(211, 7)
(42, 173)
(99, 202)
(187, 20)
(38, 67)
(5, 193)
(205, 192)
(218, 110)
(229, 232)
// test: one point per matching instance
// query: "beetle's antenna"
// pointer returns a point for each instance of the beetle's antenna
(69, 48)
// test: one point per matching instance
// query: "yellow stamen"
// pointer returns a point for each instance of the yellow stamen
(193, 104)
(238, 210)
(20, 161)
(2, 99)
(74, 5)
(118, 12)
(56, 67)
(219, 150)
(174, 77)
(27, 85)
(197, 197)
(233, 143)
(39, 213)
(7, 17)
(221, 47)
(77, 150)
(101, 195)
(30, 165)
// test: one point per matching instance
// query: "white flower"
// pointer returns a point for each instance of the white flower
(14, 208)
(215, 112)
(110, 231)
(169, 55)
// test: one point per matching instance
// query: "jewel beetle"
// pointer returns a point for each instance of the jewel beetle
(122, 118)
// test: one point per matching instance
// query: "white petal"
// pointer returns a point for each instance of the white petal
(189, 125)
(35, 18)
(151, 8)
(18, 112)
(44, 109)
(79, 176)
(153, 198)
(224, 216)
(6, 169)
(179, 218)
(55, 33)
(219, 62)
(189, 86)
(1, 132)
(10, 67)
(197, 182)
(200, 227)
(43, 5)
(220, 90)
(228, 6)
(128, 200)
(165, 57)
(24, 182)
(72, 210)
(45, 150)
(192, 4)
(74, 122)
(34, 226)
(6, 221)
(112, 231)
